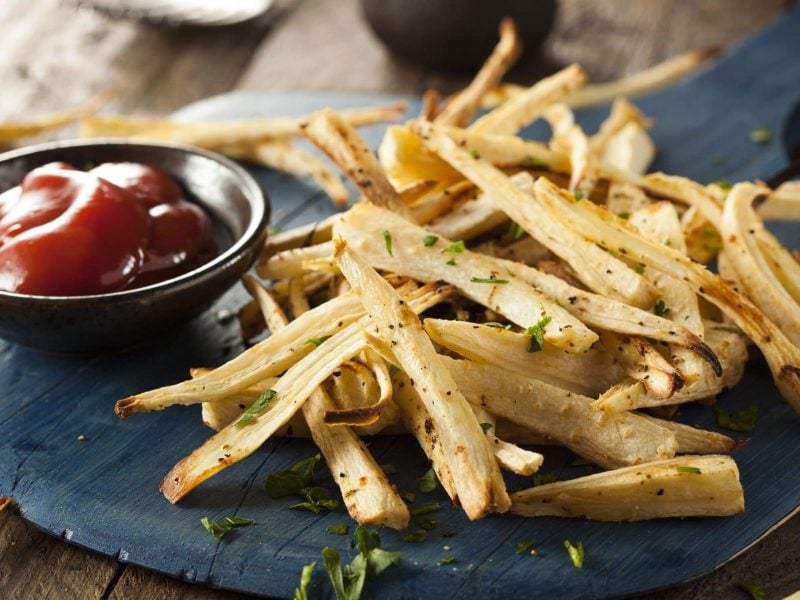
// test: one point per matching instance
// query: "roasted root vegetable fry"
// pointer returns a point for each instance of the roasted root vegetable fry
(688, 486)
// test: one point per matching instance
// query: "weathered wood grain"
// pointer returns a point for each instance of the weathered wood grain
(55, 56)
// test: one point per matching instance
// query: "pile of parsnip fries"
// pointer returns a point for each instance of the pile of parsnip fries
(487, 291)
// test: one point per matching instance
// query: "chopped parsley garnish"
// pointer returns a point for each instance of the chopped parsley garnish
(426, 524)
(388, 468)
(424, 509)
(755, 591)
(408, 496)
(724, 184)
(515, 230)
(429, 240)
(579, 195)
(259, 406)
(456, 247)
(624, 215)
(341, 529)
(317, 340)
(387, 239)
(576, 553)
(273, 230)
(416, 537)
(544, 478)
(222, 526)
(474, 154)
(492, 280)
(447, 560)
(537, 162)
(744, 421)
(486, 427)
(537, 333)
(709, 233)
(496, 325)
(291, 481)
(451, 262)
(372, 560)
(692, 470)
(393, 370)
(761, 135)
(316, 500)
(427, 483)
(301, 593)
(524, 546)
(660, 309)
(639, 268)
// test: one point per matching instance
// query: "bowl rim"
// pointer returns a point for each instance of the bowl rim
(254, 231)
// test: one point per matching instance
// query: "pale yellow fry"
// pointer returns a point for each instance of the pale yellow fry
(363, 227)
(227, 133)
(642, 362)
(459, 110)
(345, 147)
(12, 131)
(566, 417)
(367, 493)
(478, 482)
(588, 373)
(528, 106)
(688, 486)
(740, 227)
(783, 203)
(624, 199)
(608, 231)
(622, 114)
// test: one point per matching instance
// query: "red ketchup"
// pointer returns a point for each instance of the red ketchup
(66, 232)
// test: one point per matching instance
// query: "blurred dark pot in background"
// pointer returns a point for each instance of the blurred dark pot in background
(455, 36)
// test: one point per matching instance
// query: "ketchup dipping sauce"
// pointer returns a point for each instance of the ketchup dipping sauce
(119, 226)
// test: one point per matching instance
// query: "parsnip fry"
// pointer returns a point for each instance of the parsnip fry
(587, 373)
(740, 229)
(480, 278)
(218, 134)
(606, 230)
(478, 483)
(782, 204)
(689, 486)
(371, 413)
(643, 363)
(367, 493)
(568, 418)
(525, 108)
(345, 147)
(459, 110)
(13, 131)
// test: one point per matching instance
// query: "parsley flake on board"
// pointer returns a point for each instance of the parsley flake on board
(424, 509)
(761, 135)
(316, 500)
(691, 470)
(259, 406)
(372, 560)
(291, 481)
(447, 560)
(301, 593)
(743, 421)
(537, 333)
(387, 239)
(388, 468)
(218, 528)
(492, 280)
(544, 478)
(416, 537)
(524, 546)
(317, 340)
(427, 483)
(429, 240)
(426, 524)
(576, 553)
(341, 529)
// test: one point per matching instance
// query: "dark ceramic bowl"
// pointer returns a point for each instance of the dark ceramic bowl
(104, 322)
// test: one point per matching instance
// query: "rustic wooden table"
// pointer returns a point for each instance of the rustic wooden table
(56, 55)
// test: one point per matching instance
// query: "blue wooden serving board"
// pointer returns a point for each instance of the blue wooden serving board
(102, 493)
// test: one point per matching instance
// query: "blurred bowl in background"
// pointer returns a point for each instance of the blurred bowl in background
(456, 36)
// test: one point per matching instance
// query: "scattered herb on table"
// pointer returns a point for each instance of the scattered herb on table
(388, 468)
(372, 560)
(427, 483)
(301, 593)
(743, 421)
(576, 553)
(524, 546)
(544, 478)
(447, 560)
(424, 509)
(340, 529)
(218, 528)
(416, 537)
(761, 135)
